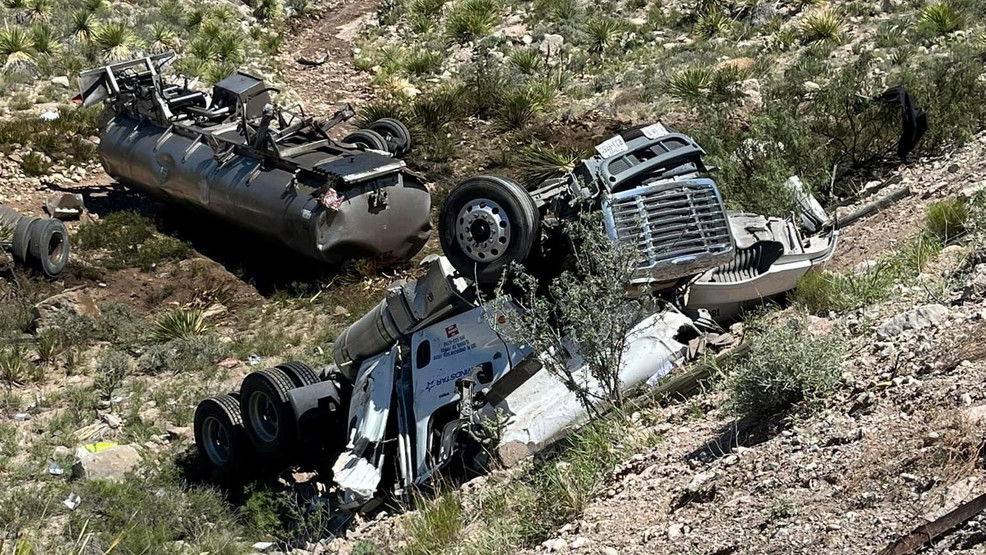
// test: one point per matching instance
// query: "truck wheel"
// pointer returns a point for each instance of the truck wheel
(266, 411)
(366, 138)
(396, 134)
(300, 373)
(486, 223)
(49, 247)
(22, 238)
(219, 434)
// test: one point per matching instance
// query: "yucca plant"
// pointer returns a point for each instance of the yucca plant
(472, 19)
(538, 163)
(427, 8)
(269, 10)
(216, 72)
(201, 50)
(163, 37)
(50, 347)
(527, 60)
(438, 108)
(40, 10)
(940, 18)
(195, 18)
(117, 40)
(94, 5)
(83, 25)
(423, 62)
(517, 109)
(172, 9)
(224, 14)
(691, 83)
(230, 47)
(16, 48)
(179, 324)
(603, 32)
(15, 4)
(12, 366)
(372, 111)
(271, 42)
(43, 39)
(823, 24)
(712, 23)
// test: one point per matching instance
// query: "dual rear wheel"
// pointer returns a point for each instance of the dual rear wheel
(257, 420)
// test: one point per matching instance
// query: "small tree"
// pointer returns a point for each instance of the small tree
(584, 313)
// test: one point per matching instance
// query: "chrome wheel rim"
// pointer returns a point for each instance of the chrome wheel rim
(263, 416)
(482, 229)
(217, 440)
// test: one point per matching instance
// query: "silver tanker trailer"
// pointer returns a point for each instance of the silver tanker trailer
(272, 170)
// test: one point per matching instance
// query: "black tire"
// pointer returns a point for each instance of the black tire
(397, 135)
(300, 373)
(267, 415)
(366, 138)
(49, 246)
(22, 239)
(503, 228)
(220, 437)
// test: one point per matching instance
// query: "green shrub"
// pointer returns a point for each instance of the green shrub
(129, 240)
(821, 291)
(473, 19)
(440, 107)
(824, 24)
(179, 324)
(423, 62)
(427, 8)
(712, 23)
(940, 18)
(527, 60)
(518, 109)
(184, 355)
(537, 163)
(435, 525)
(35, 164)
(117, 40)
(788, 364)
(112, 367)
(16, 48)
(946, 219)
(603, 32)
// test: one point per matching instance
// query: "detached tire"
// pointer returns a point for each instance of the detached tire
(486, 223)
(49, 246)
(266, 412)
(300, 373)
(220, 437)
(395, 133)
(366, 138)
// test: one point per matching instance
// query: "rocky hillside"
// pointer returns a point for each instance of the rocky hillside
(857, 417)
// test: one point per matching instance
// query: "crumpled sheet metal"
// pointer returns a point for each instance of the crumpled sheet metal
(542, 409)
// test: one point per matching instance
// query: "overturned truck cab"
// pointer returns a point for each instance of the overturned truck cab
(272, 170)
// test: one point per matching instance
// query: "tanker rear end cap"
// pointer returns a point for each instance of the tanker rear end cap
(274, 170)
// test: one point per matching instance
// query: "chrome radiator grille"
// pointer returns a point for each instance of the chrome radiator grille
(679, 227)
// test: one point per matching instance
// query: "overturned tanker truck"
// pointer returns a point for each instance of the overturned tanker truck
(418, 380)
(257, 165)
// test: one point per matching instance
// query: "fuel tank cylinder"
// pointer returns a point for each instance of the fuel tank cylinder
(374, 207)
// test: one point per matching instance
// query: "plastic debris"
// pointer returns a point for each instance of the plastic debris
(263, 546)
(65, 206)
(22, 416)
(55, 469)
(72, 501)
(49, 115)
(255, 360)
(99, 446)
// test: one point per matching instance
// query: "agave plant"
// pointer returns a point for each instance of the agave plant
(16, 48)
(603, 32)
(40, 10)
(538, 163)
(824, 24)
(118, 40)
(527, 60)
(43, 39)
(229, 46)
(691, 82)
(712, 23)
(179, 324)
(472, 19)
(940, 18)
(163, 38)
(83, 26)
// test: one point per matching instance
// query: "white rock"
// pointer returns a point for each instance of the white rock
(921, 317)
(551, 44)
(109, 464)
(555, 545)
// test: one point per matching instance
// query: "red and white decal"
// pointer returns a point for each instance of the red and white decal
(452, 331)
(332, 200)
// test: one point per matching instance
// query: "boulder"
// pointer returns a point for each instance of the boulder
(76, 301)
(921, 317)
(110, 464)
(551, 44)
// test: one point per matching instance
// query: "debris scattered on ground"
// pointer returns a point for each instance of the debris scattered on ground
(72, 501)
(65, 206)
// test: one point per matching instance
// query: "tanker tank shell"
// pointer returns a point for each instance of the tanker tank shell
(382, 210)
